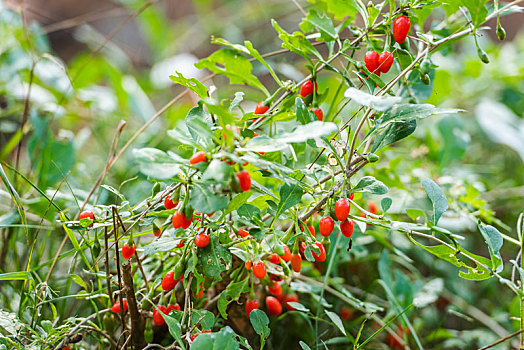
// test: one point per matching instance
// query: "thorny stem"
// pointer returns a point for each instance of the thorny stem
(106, 263)
(117, 257)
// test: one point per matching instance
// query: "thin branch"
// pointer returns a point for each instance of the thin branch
(331, 193)
(83, 18)
(101, 332)
(514, 334)
(77, 327)
(186, 300)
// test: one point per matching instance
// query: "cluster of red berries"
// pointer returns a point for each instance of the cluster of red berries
(378, 64)
(342, 208)
(273, 303)
(180, 220)
(259, 268)
(158, 319)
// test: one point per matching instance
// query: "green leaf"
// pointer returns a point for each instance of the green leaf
(437, 197)
(474, 273)
(10, 323)
(231, 293)
(198, 124)
(260, 59)
(477, 10)
(207, 319)
(237, 201)
(303, 345)
(331, 151)
(114, 191)
(218, 171)
(290, 195)
(15, 198)
(371, 185)
(379, 103)
(394, 132)
(249, 211)
(323, 24)
(260, 322)
(205, 201)
(52, 156)
(78, 280)
(214, 258)
(226, 43)
(157, 164)
(248, 49)
(162, 244)
(219, 111)
(366, 80)
(493, 239)
(302, 133)
(374, 12)
(296, 43)
(174, 328)
(397, 315)
(336, 320)
(302, 112)
(265, 164)
(450, 7)
(234, 66)
(239, 97)
(410, 111)
(414, 214)
(192, 84)
(385, 203)
(16, 276)
(298, 306)
(223, 339)
(342, 8)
